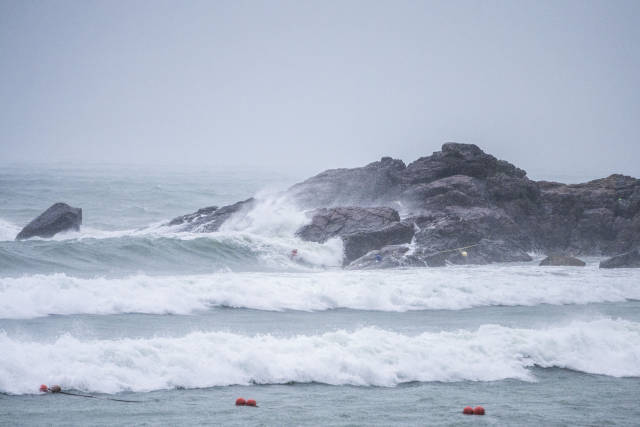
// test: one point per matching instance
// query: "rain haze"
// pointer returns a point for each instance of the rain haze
(553, 87)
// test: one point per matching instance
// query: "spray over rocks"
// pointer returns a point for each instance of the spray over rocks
(460, 206)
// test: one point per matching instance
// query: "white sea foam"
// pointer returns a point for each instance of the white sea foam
(364, 357)
(395, 290)
(8, 230)
(273, 215)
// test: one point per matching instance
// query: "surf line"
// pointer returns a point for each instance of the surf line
(58, 389)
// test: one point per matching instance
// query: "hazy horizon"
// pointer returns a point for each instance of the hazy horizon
(300, 87)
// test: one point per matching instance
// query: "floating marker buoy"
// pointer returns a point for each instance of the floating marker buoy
(478, 410)
(468, 410)
(240, 402)
(44, 388)
(251, 402)
(463, 253)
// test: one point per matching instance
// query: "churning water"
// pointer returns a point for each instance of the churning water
(186, 322)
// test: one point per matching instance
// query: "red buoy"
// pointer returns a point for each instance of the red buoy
(44, 388)
(478, 410)
(251, 402)
(468, 410)
(240, 402)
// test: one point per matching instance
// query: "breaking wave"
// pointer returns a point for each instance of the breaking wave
(364, 357)
(8, 231)
(452, 288)
(258, 240)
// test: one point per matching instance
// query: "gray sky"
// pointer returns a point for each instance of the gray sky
(304, 86)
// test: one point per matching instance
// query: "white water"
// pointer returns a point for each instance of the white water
(367, 356)
(396, 290)
(8, 230)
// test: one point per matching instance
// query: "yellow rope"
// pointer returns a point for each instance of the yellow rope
(456, 249)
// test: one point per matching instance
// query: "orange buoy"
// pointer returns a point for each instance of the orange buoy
(240, 402)
(478, 410)
(44, 388)
(251, 402)
(468, 410)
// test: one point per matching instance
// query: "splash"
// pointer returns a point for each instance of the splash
(364, 357)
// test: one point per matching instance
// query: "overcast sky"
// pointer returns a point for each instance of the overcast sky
(304, 86)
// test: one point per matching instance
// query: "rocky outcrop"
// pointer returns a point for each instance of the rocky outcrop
(207, 220)
(459, 197)
(59, 217)
(561, 260)
(361, 229)
(629, 259)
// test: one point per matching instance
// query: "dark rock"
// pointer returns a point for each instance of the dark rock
(385, 257)
(359, 243)
(457, 197)
(361, 229)
(194, 217)
(210, 219)
(600, 216)
(441, 194)
(365, 186)
(560, 260)
(59, 217)
(456, 159)
(485, 251)
(328, 223)
(502, 239)
(626, 260)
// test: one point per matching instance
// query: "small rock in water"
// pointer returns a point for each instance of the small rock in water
(559, 260)
(59, 217)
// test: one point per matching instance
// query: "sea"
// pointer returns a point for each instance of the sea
(145, 324)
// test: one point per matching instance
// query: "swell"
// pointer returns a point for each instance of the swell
(156, 254)
(451, 288)
(364, 357)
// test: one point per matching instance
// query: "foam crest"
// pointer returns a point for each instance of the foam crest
(8, 230)
(272, 215)
(364, 357)
(450, 288)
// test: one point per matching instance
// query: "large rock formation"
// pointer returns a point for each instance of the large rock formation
(459, 205)
(461, 196)
(59, 217)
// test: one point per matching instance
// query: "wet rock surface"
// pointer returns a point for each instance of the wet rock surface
(207, 220)
(561, 260)
(629, 259)
(459, 197)
(361, 229)
(59, 217)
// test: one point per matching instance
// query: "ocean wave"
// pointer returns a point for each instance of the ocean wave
(194, 253)
(364, 357)
(452, 288)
